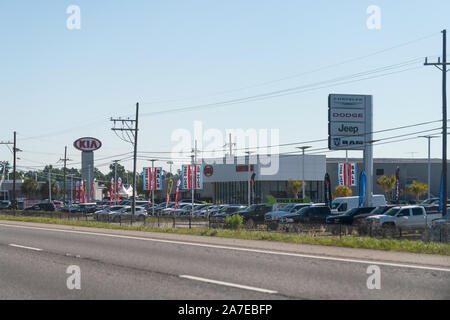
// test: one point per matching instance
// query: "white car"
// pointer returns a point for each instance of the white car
(407, 217)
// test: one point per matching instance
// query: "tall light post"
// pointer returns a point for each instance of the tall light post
(429, 162)
(303, 168)
(71, 188)
(248, 177)
(153, 189)
(170, 163)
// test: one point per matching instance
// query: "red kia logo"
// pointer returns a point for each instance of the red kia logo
(87, 144)
(208, 171)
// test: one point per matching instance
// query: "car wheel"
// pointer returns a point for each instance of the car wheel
(250, 224)
(273, 226)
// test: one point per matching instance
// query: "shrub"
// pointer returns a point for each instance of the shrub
(234, 222)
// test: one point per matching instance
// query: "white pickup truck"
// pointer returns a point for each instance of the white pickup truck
(402, 218)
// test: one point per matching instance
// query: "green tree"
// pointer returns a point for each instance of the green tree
(417, 189)
(294, 188)
(387, 184)
(29, 187)
(55, 190)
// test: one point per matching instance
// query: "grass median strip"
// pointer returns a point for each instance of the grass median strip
(349, 241)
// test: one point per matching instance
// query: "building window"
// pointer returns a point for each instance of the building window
(380, 172)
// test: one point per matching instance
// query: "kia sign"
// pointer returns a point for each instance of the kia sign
(349, 121)
(87, 144)
(208, 170)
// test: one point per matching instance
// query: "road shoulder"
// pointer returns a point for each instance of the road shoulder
(305, 249)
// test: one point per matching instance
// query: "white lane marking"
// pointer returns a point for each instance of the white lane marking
(24, 247)
(290, 254)
(228, 284)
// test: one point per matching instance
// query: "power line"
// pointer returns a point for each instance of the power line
(293, 90)
(308, 72)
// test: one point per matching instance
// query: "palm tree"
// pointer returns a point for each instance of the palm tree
(294, 188)
(387, 184)
(29, 187)
(417, 189)
(55, 190)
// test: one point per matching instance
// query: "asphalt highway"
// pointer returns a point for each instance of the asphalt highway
(34, 262)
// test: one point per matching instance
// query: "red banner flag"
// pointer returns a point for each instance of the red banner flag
(119, 185)
(176, 194)
(111, 192)
(92, 189)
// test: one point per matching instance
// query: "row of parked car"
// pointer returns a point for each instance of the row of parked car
(280, 215)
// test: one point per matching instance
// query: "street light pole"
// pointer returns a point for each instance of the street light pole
(153, 189)
(303, 169)
(170, 163)
(248, 178)
(429, 163)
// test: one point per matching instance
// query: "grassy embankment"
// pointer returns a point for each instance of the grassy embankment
(347, 241)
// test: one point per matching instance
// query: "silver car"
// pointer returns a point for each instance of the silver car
(125, 213)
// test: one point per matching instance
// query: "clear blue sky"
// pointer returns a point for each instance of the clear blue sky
(58, 84)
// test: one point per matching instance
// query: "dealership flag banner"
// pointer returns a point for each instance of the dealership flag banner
(81, 191)
(152, 180)
(176, 193)
(362, 188)
(397, 186)
(169, 191)
(92, 189)
(119, 185)
(347, 174)
(111, 192)
(186, 172)
(327, 190)
(85, 192)
(77, 187)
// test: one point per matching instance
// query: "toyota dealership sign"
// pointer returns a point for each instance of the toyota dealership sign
(349, 121)
(87, 144)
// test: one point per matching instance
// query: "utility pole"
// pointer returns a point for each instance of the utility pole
(153, 189)
(14, 182)
(303, 169)
(65, 169)
(14, 174)
(193, 166)
(170, 163)
(443, 67)
(49, 186)
(115, 181)
(71, 188)
(127, 128)
(429, 162)
(230, 144)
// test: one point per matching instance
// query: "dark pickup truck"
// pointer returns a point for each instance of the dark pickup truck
(254, 215)
(348, 217)
(312, 214)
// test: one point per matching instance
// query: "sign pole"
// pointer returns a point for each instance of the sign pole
(368, 152)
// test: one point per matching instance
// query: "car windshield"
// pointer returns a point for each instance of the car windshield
(302, 210)
(351, 212)
(335, 205)
(251, 208)
(392, 212)
(379, 210)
